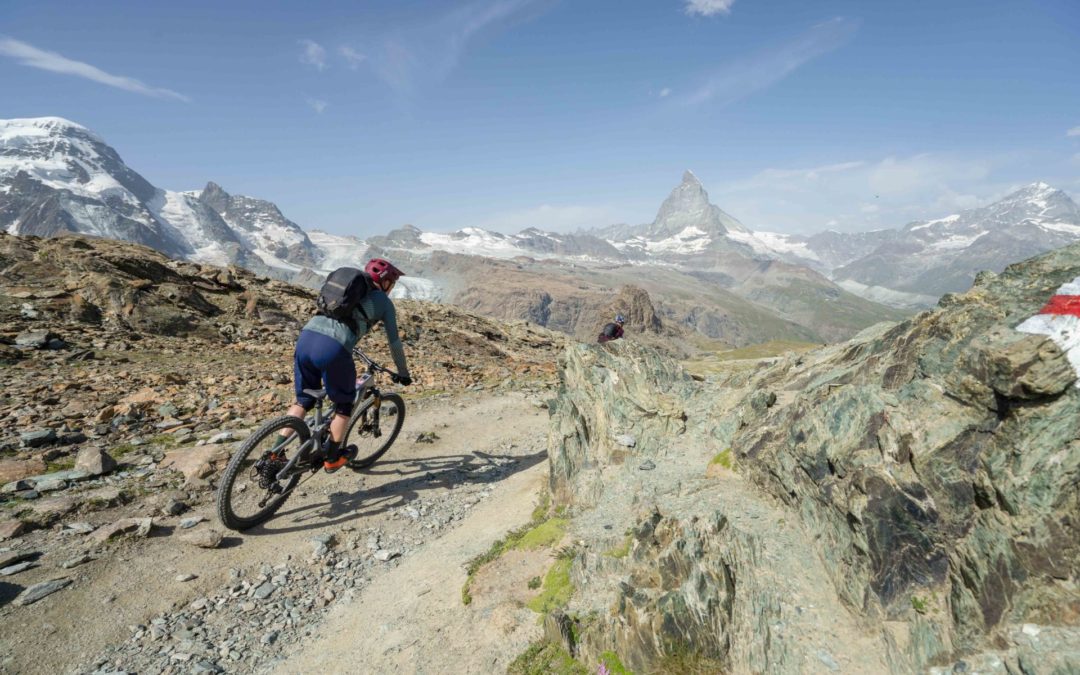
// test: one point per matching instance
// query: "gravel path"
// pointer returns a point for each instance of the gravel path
(159, 605)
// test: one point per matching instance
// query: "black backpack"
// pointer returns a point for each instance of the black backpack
(342, 293)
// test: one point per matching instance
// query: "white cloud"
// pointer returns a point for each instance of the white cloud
(708, 7)
(313, 54)
(665, 92)
(552, 218)
(862, 195)
(1075, 131)
(353, 58)
(410, 57)
(737, 80)
(28, 55)
(318, 105)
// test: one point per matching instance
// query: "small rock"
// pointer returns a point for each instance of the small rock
(190, 522)
(264, 591)
(9, 529)
(205, 538)
(16, 568)
(94, 461)
(827, 658)
(173, 507)
(139, 526)
(383, 555)
(76, 528)
(426, 437)
(12, 557)
(33, 339)
(75, 562)
(647, 465)
(185, 577)
(168, 410)
(270, 638)
(222, 437)
(39, 591)
(38, 438)
(625, 440)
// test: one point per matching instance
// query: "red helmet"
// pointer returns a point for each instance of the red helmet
(380, 268)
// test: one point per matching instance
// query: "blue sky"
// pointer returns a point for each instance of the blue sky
(356, 117)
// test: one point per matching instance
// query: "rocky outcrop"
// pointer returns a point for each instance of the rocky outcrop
(908, 499)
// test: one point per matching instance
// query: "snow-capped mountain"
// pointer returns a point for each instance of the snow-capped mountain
(262, 227)
(58, 176)
(944, 255)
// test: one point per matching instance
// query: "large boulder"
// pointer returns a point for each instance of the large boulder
(94, 461)
(931, 470)
(197, 462)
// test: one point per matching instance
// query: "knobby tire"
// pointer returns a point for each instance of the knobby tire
(237, 465)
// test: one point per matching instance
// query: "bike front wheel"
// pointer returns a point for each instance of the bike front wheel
(372, 442)
(250, 492)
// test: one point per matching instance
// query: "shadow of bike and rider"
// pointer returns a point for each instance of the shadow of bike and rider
(396, 482)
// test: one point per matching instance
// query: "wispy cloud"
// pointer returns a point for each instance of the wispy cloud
(740, 79)
(318, 105)
(708, 7)
(410, 57)
(313, 54)
(665, 92)
(1075, 131)
(353, 58)
(860, 195)
(29, 55)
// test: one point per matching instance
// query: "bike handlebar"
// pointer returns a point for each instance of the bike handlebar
(372, 365)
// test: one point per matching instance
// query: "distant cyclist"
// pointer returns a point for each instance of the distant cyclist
(612, 331)
(323, 356)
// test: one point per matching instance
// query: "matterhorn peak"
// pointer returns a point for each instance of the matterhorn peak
(688, 206)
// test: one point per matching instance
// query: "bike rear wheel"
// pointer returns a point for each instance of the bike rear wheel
(362, 433)
(250, 492)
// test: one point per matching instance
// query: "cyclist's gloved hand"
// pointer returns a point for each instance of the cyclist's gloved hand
(403, 380)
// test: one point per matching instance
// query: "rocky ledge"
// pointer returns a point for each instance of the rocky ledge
(906, 501)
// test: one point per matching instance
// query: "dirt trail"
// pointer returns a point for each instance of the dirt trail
(431, 506)
(413, 619)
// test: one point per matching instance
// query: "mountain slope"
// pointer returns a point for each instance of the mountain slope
(944, 255)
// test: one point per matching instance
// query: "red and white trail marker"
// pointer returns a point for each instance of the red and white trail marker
(1060, 321)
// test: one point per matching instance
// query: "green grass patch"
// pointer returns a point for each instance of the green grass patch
(165, 440)
(919, 604)
(687, 662)
(121, 450)
(723, 458)
(60, 465)
(545, 658)
(547, 533)
(539, 532)
(541, 510)
(557, 588)
(613, 664)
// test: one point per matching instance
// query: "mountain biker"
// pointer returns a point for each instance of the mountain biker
(323, 357)
(612, 331)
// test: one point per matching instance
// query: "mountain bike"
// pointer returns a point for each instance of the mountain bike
(266, 469)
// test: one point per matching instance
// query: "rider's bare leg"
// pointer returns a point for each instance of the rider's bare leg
(337, 425)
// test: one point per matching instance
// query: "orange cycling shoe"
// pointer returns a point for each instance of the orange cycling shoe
(347, 455)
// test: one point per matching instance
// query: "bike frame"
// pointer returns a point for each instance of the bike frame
(320, 426)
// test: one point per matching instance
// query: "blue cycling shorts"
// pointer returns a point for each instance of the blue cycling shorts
(321, 361)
